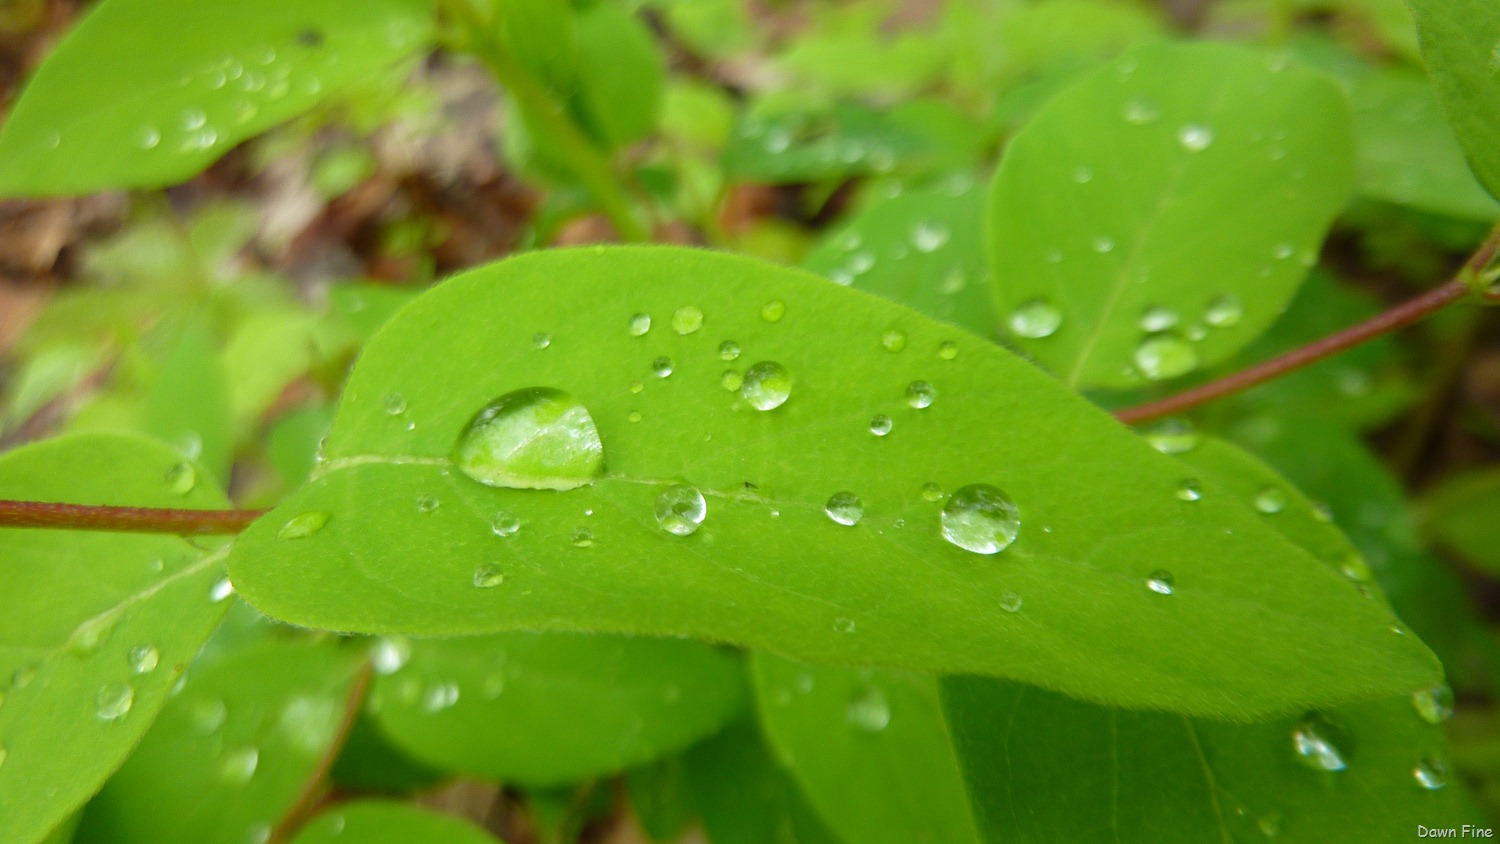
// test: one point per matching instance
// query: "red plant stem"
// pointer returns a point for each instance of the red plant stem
(46, 514)
(310, 798)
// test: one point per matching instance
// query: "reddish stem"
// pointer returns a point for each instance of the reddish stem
(46, 514)
(310, 798)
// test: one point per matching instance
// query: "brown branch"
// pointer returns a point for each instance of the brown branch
(45, 514)
(1400, 316)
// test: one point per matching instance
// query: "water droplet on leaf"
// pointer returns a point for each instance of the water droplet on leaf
(395, 404)
(303, 525)
(948, 350)
(880, 425)
(1163, 357)
(1313, 741)
(729, 350)
(773, 310)
(182, 478)
(1173, 436)
(662, 366)
(1271, 500)
(1161, 582)
(1434, 705)
(113, 700)
(920, 394)
(505, 523)
(537, 438)
(639, 324)
(868, 710)
(1195, 138)
(767, 385)
(143, 659)
(1431, 773)
(1036, 319)
(687, 320)
(845, 508)
(680, 509)
(893, 340)
(1010, 601)
(488, 576)
(237, 767)
(1189, 490)
(980, 518)
(1224, 311)
(428, 503)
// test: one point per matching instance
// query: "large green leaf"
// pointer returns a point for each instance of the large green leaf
(1461, 42)
(95, 628)
(233, 751)
(1254, 626)
(145, 93)
(744, 797)
(1044, 768)
(549, 709)
(870, 749)
(376, 822)
(1158, 214)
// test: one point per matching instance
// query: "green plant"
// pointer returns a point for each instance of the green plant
(853, 552)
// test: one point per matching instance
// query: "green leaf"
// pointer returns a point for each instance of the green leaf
(1461, 42)
(1254, 627)
(543, 37)
(1045, 768)
(621, 75)
(187, 404)
(1464, 515)
(661, 796)
(803, 145)
(549, 709)
(144, 93)
(1101, 209)
(869, 748)
(745, 797)
(923, 248)
(95, 628)
(377, 822)
(233, 751)
(369, 763)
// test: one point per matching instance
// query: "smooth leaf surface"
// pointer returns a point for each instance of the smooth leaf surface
(869, 748)
(661, 797)
(549, 709)
(1465, 516)
(1099, 206)
(187, 404)
(143, 93)
(1461, 43)
(744, 797)
(376, 822)
(233, 751)
(1255, 625)
(95, 628)
(1043, 768)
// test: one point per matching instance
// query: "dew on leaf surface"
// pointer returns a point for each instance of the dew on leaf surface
(505, 523)
(221, 589)
(729, 350)
(639, 324)
(237, 766)
(980, 518)
(773, 310)
(1189, 490)
(428, 503)
(488, 576)
(893, 340)
(541, 340)
(395, 404)
(932, 492)
(143, 659)
(390, 654)
(1104, 244)
(1035, 319)
(1195, 138)
(681, 509)
(1173, 436)
(767, 385)
(147, 137)
(181, 478)
(1165, 356)
(662, 366)
(880, 425)
(1161, 582)
(687, 320)
(1224, 311)
(1434, 705)
(929, 237)
(536, 438)
(113, 700)
(1010, 601)
(581, 537)
(1271, 500)
(1431, 773)
(303, 525)
(868, 710)
(1158, 318)
(441, 696)
(731, 380)
(207, 715)
(948, 350)
(843, 624)
(1142, 112)
(920, 394)
(845, 508)
(1315, 743)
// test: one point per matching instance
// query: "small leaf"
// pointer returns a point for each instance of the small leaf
(187, 404)
(549, 709)
(95, 628)
(377, 822)
(146, 94)
(869, 748)
(1461, 42)
(745, 797)
(1099, 207)
(621, 75)
(233, 751)
(751, 557)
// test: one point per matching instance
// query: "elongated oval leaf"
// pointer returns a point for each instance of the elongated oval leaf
(1162, 210)
(1461, 43)
(145, 93)
(392, 536)
(95, 628)
(377, 822)
(549, 709)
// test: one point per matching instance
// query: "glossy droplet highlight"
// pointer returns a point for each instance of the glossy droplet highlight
(929, 237)
(1166, 356)
(147, 137)
(390, 654)
(1036, 319)
(428, 503)
(948, 350)
(488, 576)
(1142, 112)
(1195, 138)
(395, 404)
(113, 700)
(1224, 311)
(1173, 436)
(303, 525)
(1431, 773)
(932, 492)
(639, 325)
(1010, 601)
(1158, 318)
(581, 537)
(661, 367)
(681, 509)
(1313, 742)
(767, 385)
(687, 320)
(505, 524)
(1271, 500)
(537, 438)
(1161, 582)
(1189, 490)
(143, 659)
(869, 711)
(893, 340)
(182, 478)
(1434, 705)
(729, 350)
(980, 518)
(845, 508)
(880, 425)
(920, 395)
(541, 340)
(773, 310)
(238, 765)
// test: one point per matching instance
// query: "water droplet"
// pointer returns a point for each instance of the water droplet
(880, 425)
(1083, 175)
(1158, 318)
(1434, 705)
(1224, 311)
(221, 589)
(1165, 356)
(194, 119)
(1283, 251)
(767, 385)
(428, 503)
(893, 340)
(1313, 740)
(932, 492)
(920, 394)
(948, 350)
(1195, 138)
(1161, 582)
(680, 509)
(536, 438)
(1142, 112)
(861, 263)
(395, 404)
(640, 324)
(1010, 601)
(113, 700)
(541, 340)
(687, 320)
(581, 537)
(929, 237)
(1189, 490)
(91, 634)
(147, 137)
(868, 710)
(1173, 436)
(1036, 319)
(731, 380)
(505, 523)
(143, 659)
(1271, 500)
(1104, 244)
(729, 350)
(182, 478)
(662, 366)
(488, 576)
(390, 654)
(303, 525)
(842, 624)
(773, 310)
(981, 518)
(1431, 773)
(237, 766)
(22, 677)
(845, 508)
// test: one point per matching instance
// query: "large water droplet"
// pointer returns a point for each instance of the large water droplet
(1431, 773)
(303, 525)
(395, 404)
(238, 765)
(639, 324)
(767, 385)
(661, 367)
(894, 340)
(1161, 582)
(1166, 356)
(680, 509)
(1313, 740)
(1224, 311)
(143, 659)
(869, 710)
(981, 518)
(1434, 705)
(920, 394)
(1173, 436)
(1035, 319)
(1195, 138)
(113, 700)
(687, 320)
(880, 425)
(846, 508)
(488, 576)
(537, 438)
